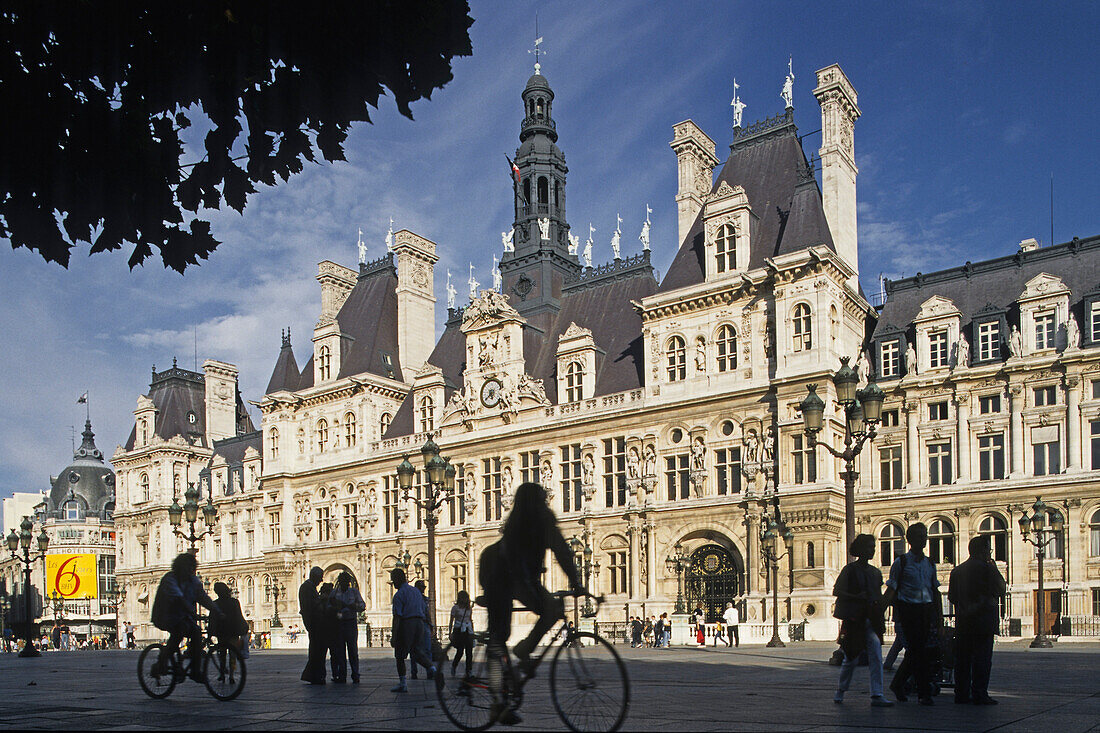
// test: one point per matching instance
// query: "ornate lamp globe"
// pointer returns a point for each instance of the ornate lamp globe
(1057, 521)
(1025, 524)
(871, 397)
(429, 449)
(449, 477)
(435, 467)
(845, 381)
(813, 410)
(788, 539)
(13, 541)
(855, 419)
(175, 512)
(210, 512)
(43, 540)
(25, 533)
(405, 473)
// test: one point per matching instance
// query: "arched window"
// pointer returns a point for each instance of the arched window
(811, 558)
(349, 429)
(322, 435)
(249, 591)
(109, 511)
(725, 249)
(70, 510)
(273, 439)
(676, 351)
(574, 382)
(726, 348)
(941, 542)
(802, 324)
(427, 414)
(997, 531)
(384, 424)
(557, 194)
(267, 588)
(143, 482)
(527, 192)
(324, 362)
(144, 432)
(891, 542)
(539, 106)
(1094, 534)
(544, 190)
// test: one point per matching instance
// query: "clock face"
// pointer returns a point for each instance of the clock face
(490, 392)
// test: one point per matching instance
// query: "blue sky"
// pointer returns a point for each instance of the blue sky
(967, 111)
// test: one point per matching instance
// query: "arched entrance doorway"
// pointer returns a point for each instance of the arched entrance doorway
(715, 578)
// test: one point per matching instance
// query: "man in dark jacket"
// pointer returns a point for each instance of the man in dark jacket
(974, 589)
(174, 611)
(309, 604)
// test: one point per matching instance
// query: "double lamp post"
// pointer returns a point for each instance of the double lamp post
(22, 541)
(190, 510)
(1035, 531)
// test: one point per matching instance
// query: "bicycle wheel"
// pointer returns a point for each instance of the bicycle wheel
(466, 699)
(224, 671)
(589, 685)
(161, 684)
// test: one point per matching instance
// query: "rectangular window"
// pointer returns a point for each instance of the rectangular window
(275, 529)
(939, 464)
(617, 562)
(614, 471)
(805, 466)
(989, 403)
(1047, 458)
(571, 477)
(727, 463)
(1094, 428)
(889, 359)
(529, 467)
(232, 545)
(106, 573)
(389, 503)
(676, 477)
(889, 418)
(991, 457)
(456, 506)
(1096, 601)
(490, 488)
(1046, 396)
(250, 542)
(1096, 389)
(324, 533)
(937, 349)
(890, 468)
(989, 341)
(937, 410)
(1044, 331)
(1094, 321)
(217, 549)
(351, 520)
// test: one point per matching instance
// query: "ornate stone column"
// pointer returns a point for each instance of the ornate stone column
(962, 410)
(634, 534)
(1073, 424)
(752, 549)
(912, 444)
(1016, 428)
(651, 558)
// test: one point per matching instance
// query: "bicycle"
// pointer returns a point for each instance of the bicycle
(589, 685)
(223, 669)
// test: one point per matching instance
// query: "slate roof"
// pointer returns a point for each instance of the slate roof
(89, 479)
(997, 282)
(766, 160)
(285, 376)
(232, 449)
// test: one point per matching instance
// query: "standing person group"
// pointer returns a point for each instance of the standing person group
(974, 589)
(346, 604)
(331, 616)
(858, 590)
(914, 591)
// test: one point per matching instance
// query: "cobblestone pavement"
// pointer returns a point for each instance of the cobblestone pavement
(752, 688)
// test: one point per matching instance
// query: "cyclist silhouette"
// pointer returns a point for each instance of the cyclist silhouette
(511, 568)
(174, 611)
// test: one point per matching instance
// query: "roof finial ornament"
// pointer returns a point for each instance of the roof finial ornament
(538, 47)
(286, 337)
(588, 246)
(498, 282)
(616, 235)
(450, 293)
(644, 236)
(389, 236)
(473, 284)
(788, 85)
(737, 104)
(362, 248)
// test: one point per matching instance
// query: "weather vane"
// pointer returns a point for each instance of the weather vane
(538, 46)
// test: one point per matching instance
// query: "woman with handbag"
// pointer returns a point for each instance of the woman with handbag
(858, 592)
(462, 631)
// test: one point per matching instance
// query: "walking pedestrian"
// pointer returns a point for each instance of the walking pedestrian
(347, 603)
(327, 630)
(659, 632)
(647, 632)
(668, 630)
(231, 628)
(858, 590)
(462, 631)
(914, 590)
(409, 612)
(974, 589)
(426, 637)
(636, 630)
(309, 605)
(732, 619)
(719, 633)
(895, 648)
(700, 626)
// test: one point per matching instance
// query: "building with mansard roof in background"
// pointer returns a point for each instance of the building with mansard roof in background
(661, 413)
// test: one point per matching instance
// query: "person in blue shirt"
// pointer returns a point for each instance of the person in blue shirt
(174, 611)
(914, 590)
(409, 612)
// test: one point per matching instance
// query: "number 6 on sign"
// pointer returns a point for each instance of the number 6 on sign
(72, 576)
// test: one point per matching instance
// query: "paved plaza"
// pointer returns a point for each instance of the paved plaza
(752, 688)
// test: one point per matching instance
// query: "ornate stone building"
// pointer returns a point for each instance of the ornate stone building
(661, 414)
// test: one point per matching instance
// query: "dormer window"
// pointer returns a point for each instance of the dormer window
(802, 327)
(1044, 330)
(427, 414)
(574, 382)
(937, 349)
(989, 341)
(387, 364)
(71, 511)
(144, 432)
(889, 359)
(384, 423)
(324, 362)
(725, 249)
(676, 355)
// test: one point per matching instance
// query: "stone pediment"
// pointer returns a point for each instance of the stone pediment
(428, 370)
(487, 310)
(1043, 285)
(574, 332)
(937, 307)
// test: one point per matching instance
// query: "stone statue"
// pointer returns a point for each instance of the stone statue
(506, 481)
(649, 461)
(533, 388)
(574, 244)
(700, 354)
(546, 474)
(362, 248)
(768, 449)
(788, 87)
(450, 292)
(633, 464)
(910, 359)
(588, 469)
(498, 281)
(863, 366)
(301, 440)
(1016, 342)
(544, 229)
(487, 351)
(644, 236)
(507, 239)
(752, 447)
(737, 104)
(588, 253)
(473, 284)
(962, 353)
(615, 237)
(389, 236)
(1073, 333)
(698, 455)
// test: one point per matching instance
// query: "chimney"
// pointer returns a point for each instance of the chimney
(415, 300)
(221, 399)
(695, 162)
(1029, 245)
(336, 283)
(838, 160)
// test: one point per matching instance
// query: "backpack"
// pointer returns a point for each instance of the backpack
(161, 615)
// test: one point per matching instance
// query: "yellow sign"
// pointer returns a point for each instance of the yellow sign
(72, 576)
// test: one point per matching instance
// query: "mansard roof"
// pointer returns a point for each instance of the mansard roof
(232, 450)
(993, 285)
(766, 160)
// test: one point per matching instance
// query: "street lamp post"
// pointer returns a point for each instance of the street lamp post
(57, 605)
(4, 619)
(275, 589)
(190, 511)
(769, 548)
(583, 552)
(862, 412)
(22, 540)
(440, 486)
(1036, 533)
(678, 563)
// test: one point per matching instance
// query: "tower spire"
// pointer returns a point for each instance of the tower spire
(538, 46)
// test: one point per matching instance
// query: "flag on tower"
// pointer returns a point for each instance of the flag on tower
(514, 167)
(83, 399)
